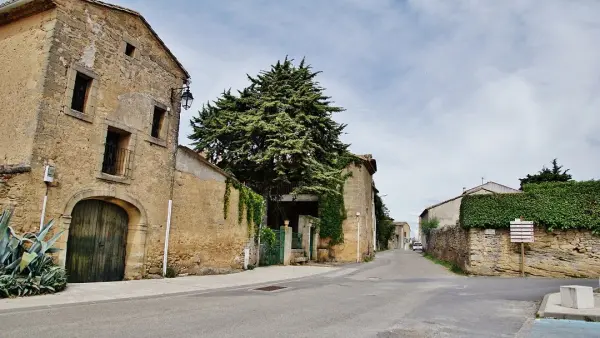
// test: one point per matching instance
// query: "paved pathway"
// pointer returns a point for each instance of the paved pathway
(400, 294)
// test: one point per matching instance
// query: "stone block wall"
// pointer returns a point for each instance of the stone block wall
(450, 243)
(570, 253)
(201, 238)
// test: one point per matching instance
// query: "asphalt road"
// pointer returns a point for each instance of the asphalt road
(400, 294)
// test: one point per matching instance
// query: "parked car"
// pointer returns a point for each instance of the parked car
(417, 246)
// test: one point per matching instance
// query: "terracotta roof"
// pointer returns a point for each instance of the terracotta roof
(125, 10)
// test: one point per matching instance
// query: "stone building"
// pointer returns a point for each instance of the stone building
(90, 90)
(401, 237)
(359, 199)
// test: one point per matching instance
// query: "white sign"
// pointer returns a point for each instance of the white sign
(521, 231)
(489, 232)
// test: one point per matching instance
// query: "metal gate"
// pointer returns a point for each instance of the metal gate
(274, 254)
(97, 242)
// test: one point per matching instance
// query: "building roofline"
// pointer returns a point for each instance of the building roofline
(14, 4)
(201, 158)
(470, 191)
(502, 185)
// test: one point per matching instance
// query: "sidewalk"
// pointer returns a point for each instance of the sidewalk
(99, 292)
(551, 308)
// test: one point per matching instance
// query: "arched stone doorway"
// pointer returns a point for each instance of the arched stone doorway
(123, 207)
(97, 242)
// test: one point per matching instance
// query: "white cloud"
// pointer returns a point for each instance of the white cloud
(440, 92)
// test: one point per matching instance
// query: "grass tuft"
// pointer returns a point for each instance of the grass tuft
(448, 265)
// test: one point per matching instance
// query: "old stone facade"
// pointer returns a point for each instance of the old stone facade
(359, 197)
(571, 253)
(91, 90)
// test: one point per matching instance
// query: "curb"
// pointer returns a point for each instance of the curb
(558, 315)
(154, 296)
(542, 310)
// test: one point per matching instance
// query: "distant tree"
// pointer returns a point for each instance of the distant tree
(383, 222)
(555, 174)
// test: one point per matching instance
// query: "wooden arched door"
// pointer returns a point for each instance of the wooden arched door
(97, 242)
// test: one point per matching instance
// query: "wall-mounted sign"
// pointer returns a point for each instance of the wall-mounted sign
(489, 232)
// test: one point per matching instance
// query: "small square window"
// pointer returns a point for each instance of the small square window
(157, 122)
(81, 91)
(129, 49)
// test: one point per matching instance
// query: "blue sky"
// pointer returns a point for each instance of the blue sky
(441, 92)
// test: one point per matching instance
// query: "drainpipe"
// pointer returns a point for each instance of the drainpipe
(43, 216)
(170, 204)
(358, 237)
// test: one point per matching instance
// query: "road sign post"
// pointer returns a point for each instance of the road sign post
(521, 232)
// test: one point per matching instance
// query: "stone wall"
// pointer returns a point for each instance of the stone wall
(201, 238)
(23, 51)
(571, 253)
(450, 243)
(358, 197)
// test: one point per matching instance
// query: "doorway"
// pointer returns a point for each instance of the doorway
(97, 242)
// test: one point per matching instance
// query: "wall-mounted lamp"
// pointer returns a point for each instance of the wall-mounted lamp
(186, 96)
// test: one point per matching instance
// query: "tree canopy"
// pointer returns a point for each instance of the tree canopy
(383, 222)
(555, 174)
(278, 130)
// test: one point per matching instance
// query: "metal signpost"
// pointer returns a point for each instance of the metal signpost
(521, 232)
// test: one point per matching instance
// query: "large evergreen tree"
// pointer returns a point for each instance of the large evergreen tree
(556, 174)
(277, 130)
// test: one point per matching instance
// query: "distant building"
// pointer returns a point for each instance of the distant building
(401, 237)
(448, 211)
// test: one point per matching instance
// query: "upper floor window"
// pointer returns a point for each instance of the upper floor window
(116, 152)
(129, 49)
(81, 92)
(158, 119)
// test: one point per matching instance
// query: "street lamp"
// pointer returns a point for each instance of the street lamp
(186, 96)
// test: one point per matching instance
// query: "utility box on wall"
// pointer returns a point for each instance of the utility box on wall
(49, 172)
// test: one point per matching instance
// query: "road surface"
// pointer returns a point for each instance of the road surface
(400, 294)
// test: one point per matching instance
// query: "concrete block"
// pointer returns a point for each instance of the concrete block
(577, 297)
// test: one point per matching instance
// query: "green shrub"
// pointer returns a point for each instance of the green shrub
(553, 205)
(267, 236)
(171, 272)
(25, 265)
(427, 225)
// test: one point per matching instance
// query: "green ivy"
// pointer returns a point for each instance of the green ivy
(332, 214)
(226, 197)
(553, 205)
(249, 201)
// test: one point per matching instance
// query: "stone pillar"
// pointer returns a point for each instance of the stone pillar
(287, 243)
(315, 246)
(304, 226)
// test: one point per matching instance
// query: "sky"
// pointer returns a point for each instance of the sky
(440, 92)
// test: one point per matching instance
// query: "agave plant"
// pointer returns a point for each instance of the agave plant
(25, 265)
